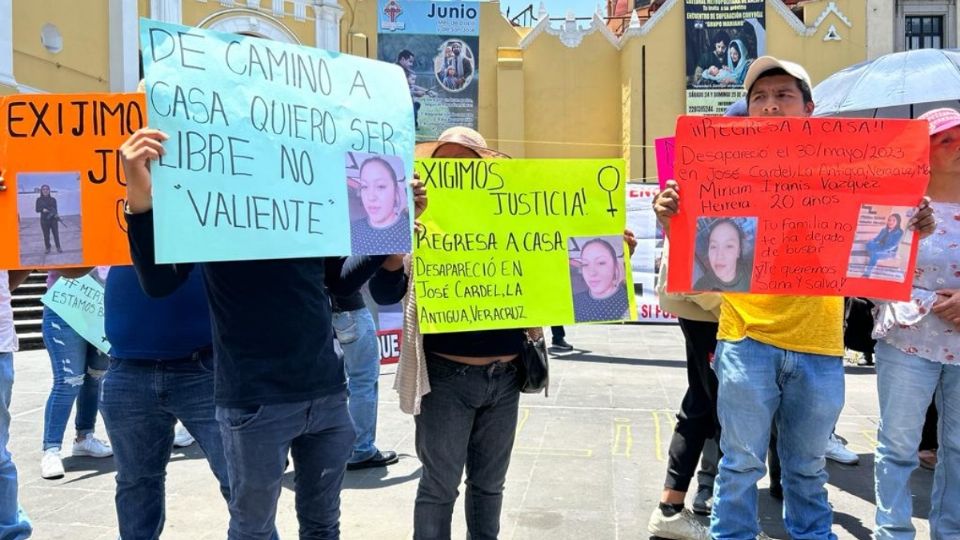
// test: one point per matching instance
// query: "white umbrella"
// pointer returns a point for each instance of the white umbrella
(897, 85)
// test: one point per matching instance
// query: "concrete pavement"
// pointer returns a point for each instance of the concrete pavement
(589, 460)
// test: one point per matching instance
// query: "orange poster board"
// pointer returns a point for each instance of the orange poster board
(65, 190)
(800, 206)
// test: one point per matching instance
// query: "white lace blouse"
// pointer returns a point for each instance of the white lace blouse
(911, 326)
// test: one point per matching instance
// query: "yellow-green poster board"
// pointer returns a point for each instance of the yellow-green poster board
(513, 243)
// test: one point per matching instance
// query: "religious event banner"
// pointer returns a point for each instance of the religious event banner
(521, 243)
(808, 206)
(65, 189)
(645, 262)
(79, 302)
(274, 150)
(723, 38)
(438, 46)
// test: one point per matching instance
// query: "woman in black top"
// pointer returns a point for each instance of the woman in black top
(469, 418)
(49, 218)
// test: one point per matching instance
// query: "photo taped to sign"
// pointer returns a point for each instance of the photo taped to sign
(598, 278)
(379, 213)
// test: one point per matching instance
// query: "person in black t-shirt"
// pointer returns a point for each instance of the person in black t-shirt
(280, 385)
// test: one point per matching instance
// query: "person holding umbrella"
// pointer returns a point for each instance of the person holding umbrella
(918, 357)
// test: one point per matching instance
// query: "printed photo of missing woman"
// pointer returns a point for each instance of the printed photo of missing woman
(882, 243)
(723, 256)
(598, 278)
(49, 217)
(379, 205)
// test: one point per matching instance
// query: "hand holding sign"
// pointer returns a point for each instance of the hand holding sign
(136, 153)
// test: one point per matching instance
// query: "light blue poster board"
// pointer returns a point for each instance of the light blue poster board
(266, 146)
(79, 302)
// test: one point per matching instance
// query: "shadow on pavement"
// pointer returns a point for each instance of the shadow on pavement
(94, 467)
(586, 356)
(858, 481)
(373, 478)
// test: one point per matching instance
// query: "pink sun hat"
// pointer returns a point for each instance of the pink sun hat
(941, 119)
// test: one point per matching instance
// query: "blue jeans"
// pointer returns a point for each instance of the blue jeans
(14, 523)
(357, 335)
(875, 253)
(804, 393)
(905, 384)
(469, 419)
(141, 401)
(78, 368)
(320, 436)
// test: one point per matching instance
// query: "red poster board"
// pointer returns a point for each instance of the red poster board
(800, 206)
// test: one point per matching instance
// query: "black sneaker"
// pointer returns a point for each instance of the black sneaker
(561, 344)
(703, 502)
(380, 459)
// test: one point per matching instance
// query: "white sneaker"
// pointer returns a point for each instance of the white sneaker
(51, 466)
(182, 437)
(681, 526)
(836, 451)
(92, 447)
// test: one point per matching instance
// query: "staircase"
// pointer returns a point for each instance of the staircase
(28, 311)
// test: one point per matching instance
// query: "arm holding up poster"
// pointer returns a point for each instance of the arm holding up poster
(785, 206)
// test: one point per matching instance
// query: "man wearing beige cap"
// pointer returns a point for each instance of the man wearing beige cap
(778, 357)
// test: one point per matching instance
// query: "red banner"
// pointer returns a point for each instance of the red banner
(807, 206)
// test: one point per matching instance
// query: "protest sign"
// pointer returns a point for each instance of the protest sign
(723, 38)
(388, 320)
(645, 262)
(521, 243)
(65, 187)
(797, 205)
(665, 156)
(271, 146)
(79, 302)
(437, 43)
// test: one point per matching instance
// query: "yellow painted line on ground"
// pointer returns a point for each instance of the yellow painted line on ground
(871, 436)
(622, 435)
(657, 442)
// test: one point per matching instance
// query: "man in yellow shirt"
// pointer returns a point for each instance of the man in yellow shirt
(777, 357)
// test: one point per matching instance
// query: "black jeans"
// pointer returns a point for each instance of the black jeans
(48, 226)
(469, 418)
(557, 333)
(697, 418)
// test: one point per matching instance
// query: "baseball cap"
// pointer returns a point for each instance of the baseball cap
(766, 63)
(941, 119)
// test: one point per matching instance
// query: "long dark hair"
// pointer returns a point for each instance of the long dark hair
(704, 260)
